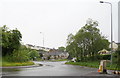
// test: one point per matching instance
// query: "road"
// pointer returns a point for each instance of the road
(53, 69)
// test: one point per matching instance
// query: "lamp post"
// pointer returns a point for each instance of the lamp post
(43, 37)
(111, 29)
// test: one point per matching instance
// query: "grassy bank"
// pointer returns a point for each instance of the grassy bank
(88, 64)
(0, 61)
(93, 64)
(6, 64)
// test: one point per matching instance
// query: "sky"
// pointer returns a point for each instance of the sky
(56, 19)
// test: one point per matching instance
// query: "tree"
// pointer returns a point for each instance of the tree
(33, 54)
(71, 45)
(10, 40)
(61, 48)
(12, 49)
(87, 41)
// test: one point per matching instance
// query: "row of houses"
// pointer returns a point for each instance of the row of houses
(48, 53)
(37, 47)
(54, 55)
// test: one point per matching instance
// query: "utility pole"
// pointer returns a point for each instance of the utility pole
(43, 37)
(111, 29)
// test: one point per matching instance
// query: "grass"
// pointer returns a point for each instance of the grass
(93, 64)
(7, 64)
(0, 61)
(88, 64)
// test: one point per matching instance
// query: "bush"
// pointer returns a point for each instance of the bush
(34, 55)
(94, 58)
(20, 56)
(6, 58)
(23, 54)
(116, 59)
(105, 57)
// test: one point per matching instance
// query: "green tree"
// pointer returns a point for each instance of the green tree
(87, 41)
(33, 54)
(61, 48)
(71, 45)
(10, 40)
(12, 49)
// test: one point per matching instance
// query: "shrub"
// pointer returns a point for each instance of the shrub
(34, 55)
(20, 56)
(116, 59)
(105, 57)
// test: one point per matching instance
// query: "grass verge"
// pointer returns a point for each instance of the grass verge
(87, 64)
(7, 64)
(93, 64)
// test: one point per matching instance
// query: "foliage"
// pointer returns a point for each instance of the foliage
(21, 55)
(33, 54)
(116, 59)
(71, 45)
(86, 42)
(61, 48)
(94, 64)
(10, 40)
(12, 49)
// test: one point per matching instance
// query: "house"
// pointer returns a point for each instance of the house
(104, 52)
(29, 46)
(53, 50)
(37, 47)
(54, 55)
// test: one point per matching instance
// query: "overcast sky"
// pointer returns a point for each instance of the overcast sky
(56, 19)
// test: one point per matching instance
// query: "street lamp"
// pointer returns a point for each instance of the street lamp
(43, 37)
(111, 28)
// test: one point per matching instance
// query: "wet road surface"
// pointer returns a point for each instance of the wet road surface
(52, 69)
